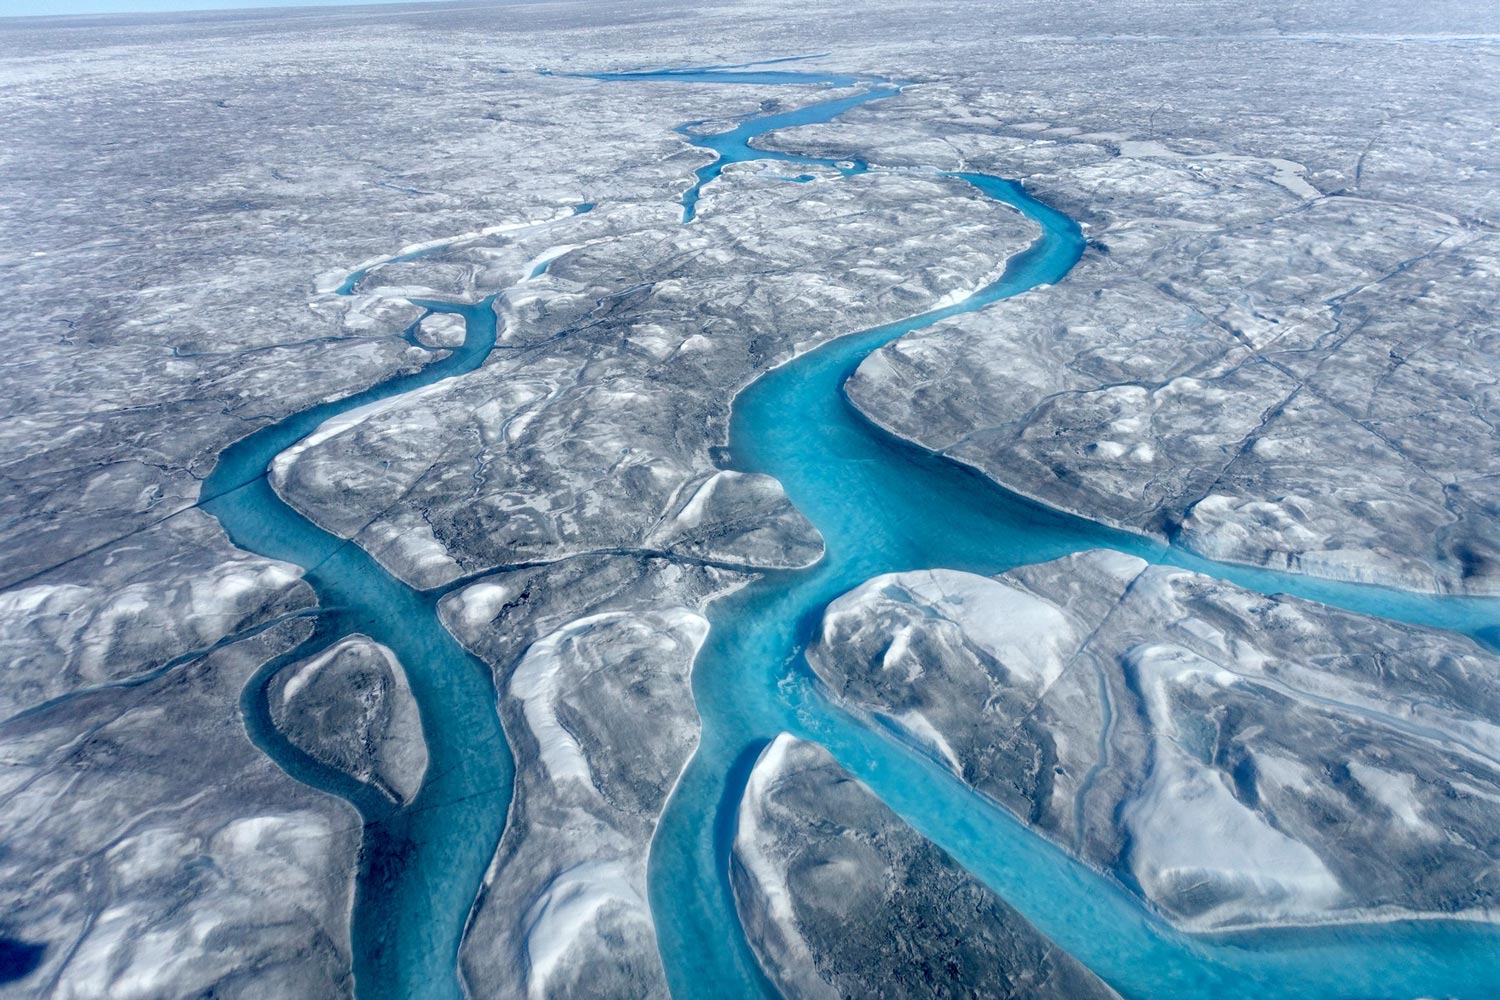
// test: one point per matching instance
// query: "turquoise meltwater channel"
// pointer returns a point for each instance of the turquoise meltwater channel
(881, 506)
(884, 506)
(419, 866)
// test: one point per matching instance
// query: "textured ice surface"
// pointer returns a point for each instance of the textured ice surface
(133, 608)
(840, 898)
(1236, 759)
(1276, 352)
(157, 853)
(1287, 368)
(351, 708)
(599, 712)
(592, 427)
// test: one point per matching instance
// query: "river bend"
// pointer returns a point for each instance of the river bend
(882, 506)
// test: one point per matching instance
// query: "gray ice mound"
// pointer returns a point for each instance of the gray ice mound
(1236, 760)
(351, 708)
(841, 899)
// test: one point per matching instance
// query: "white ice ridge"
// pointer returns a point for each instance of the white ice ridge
(536, 266)
(1285, 173)
(477, 605)
(959, 295)
(1188, 830)
(763, 872)
(1026, 633)
(692, 512)
(330, 281)
(537, 682)
(1242, 760)
(281, 465)
(566, 911)
(309, 669)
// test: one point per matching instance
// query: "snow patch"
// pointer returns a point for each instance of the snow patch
(1029, 635)
(565, 911)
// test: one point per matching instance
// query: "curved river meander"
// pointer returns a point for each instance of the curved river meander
(881, 506)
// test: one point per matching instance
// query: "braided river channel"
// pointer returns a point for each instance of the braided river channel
(882, 506)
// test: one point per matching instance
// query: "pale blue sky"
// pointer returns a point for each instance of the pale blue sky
(20, 8)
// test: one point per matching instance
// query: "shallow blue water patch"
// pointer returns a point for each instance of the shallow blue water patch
(19, 959)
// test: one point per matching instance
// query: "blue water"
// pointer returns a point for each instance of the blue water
(733, 145)
(884, 506)
(881, 506)
(421, 866)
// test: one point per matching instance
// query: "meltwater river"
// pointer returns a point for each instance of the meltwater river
(881, 506)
